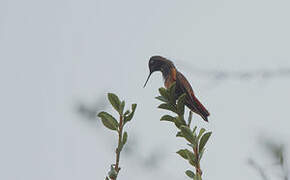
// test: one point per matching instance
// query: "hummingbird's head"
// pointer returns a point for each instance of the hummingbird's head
(157, 63)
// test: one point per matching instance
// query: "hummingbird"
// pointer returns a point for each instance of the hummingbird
(171, 75)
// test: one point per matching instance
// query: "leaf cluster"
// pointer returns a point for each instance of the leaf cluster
(196, 140)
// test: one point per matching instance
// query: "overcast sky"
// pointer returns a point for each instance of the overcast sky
(56, 53)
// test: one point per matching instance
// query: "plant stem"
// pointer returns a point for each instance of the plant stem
(118, 150)
(195, 150)
(197, 168)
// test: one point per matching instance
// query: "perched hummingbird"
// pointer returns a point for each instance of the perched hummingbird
(171, 75)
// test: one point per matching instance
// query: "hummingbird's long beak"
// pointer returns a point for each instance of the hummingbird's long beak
(147, 79)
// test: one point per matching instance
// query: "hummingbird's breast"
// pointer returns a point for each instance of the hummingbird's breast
(170, 78)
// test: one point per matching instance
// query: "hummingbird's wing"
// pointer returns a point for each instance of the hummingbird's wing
(183, 86)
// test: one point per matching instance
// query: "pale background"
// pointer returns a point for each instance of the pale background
(57, 54)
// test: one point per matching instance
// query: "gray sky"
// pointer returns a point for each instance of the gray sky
(55, 53)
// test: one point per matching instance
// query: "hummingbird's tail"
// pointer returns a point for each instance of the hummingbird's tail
(196, 106)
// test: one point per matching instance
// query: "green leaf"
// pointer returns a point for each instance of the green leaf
(182, 153)
(126, 113)
(172, 87)
(190, 174)
(114, 100)
(188, 155)
(200, 154)
(161, 98)
(202, 130)
(108, 120)
(167, 107)
(180, 104)
(122, 105)
(187, 134)
(171, 90)
(130, 116)
(167, 118)
(189, 118)
(192, 145)
(123, 142)
(134, 107)
(180, 120)
(107, 178)
(179, 134)
(204, 140)
(125, 137)
(163, 92)
(191, 157)
(194, 129)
